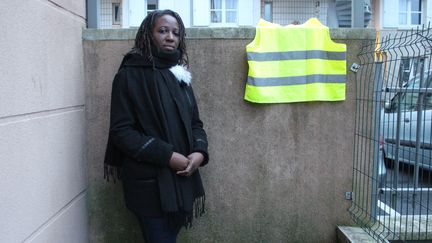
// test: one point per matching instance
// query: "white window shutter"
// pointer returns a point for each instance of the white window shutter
(137, 11)
(390, 13)
(245, 12)
(201, 12)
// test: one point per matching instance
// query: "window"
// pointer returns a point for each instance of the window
(268, 11)
(403, 13)
(410, 12)
(223, 12)
(116, 20)
(410, 100)
(410, 67)
(152, 5)
(410, 78)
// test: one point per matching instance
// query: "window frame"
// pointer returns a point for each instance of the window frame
(415, 64)
(150, 4)
(117, 21)
(410, 68)
(409, 13)
(268, 11)
(224, 11)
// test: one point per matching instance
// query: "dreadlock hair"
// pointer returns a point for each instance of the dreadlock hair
(144, 36)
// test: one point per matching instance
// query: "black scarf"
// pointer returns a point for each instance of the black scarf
(181, 197)
(162, 59)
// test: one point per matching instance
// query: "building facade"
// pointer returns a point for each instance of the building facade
(401, 18)
(112, 14)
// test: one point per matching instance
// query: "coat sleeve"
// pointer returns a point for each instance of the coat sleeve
(200, 143)
(124, 128)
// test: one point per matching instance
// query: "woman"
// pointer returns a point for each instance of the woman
(156, 136)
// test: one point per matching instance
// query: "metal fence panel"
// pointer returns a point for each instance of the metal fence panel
(392, 187)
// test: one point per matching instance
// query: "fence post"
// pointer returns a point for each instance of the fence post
(377, 129)
(419, 129)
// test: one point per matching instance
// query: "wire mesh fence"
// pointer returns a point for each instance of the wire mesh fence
(392, 182)
(295, 11)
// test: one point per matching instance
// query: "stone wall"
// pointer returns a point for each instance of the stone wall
(42, 122)
(278, 173)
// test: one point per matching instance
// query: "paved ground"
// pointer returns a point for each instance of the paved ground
(403, 210)
(398, 195)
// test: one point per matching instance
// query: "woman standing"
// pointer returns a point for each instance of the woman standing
(156, 136)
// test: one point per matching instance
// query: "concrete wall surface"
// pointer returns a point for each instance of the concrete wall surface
(42, 122)
(278, 173)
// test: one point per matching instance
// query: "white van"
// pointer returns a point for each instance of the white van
(414, 142)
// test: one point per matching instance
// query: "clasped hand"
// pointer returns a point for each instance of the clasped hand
(185, 166)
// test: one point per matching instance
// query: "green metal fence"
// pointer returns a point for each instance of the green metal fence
(392, 187)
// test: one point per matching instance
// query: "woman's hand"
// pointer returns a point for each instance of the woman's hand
(195, 160)
(178, 162)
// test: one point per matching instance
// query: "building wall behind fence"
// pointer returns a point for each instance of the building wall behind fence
(278, 173)
(42, 122)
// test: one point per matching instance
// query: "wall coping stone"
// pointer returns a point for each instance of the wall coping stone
(350, 234)
(220, 33)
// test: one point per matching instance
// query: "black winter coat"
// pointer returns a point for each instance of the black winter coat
(152, 115)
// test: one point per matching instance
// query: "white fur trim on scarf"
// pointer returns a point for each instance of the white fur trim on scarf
(182, 74)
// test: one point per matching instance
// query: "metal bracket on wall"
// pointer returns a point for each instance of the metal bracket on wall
(348, 195)
(355, 67)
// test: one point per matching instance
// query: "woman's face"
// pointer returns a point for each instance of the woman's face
(166, 33)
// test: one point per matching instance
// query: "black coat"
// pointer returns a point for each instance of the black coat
(153, 115)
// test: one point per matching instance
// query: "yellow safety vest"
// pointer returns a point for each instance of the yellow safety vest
(295, 63)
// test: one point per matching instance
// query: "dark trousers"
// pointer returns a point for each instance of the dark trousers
(157, 230)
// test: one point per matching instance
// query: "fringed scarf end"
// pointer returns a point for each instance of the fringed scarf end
(111, 171)
(199, 206)
(186, 220)
(198, 210)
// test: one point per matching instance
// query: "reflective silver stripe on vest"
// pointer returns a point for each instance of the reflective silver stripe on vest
(295, 55)
(296, 80)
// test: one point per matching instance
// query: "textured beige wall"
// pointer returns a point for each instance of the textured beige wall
(42, 122)
(278, 173)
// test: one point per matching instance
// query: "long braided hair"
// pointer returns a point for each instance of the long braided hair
(144, 36)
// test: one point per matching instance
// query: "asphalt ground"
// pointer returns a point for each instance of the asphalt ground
(398, 195)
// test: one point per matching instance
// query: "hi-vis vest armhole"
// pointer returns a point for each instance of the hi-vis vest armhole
(295, 63)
